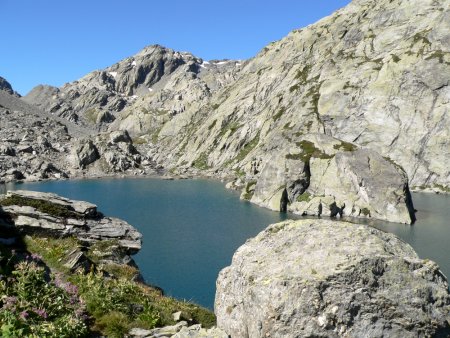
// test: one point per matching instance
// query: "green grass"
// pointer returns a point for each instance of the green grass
(247, 148)
(302, 74)
(43, 206)
(115, 303)
(395, 58)
(294, 88)
(345, 146)
(139, 140)
(438, 54)
(365, 212)
(249, 190)
(201, 162)
(305, 197)
(308, 150)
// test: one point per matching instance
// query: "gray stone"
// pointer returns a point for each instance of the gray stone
(330, 279)
(85, 153)
(84, 222)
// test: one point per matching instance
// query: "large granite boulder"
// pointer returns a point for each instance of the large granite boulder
(319, 278)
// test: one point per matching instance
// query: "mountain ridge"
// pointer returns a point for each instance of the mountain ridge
(373, 75)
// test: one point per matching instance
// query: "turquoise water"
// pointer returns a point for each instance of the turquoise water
(191, 228)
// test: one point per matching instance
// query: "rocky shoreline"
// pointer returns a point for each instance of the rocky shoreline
(89, 244)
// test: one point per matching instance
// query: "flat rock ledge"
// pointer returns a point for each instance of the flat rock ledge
(322, 278)
(179, 330)
(50, 214)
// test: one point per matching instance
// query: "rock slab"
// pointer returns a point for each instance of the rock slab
(331, 279)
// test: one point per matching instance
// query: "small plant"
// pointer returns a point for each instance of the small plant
(247, 148)
(43, 206)
(308, 150)
(201, 162)
(305, 197)
(345, 146)
(34, 306)
(280, 113)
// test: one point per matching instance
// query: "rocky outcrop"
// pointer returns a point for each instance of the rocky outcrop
(331, 279)
(6, 87)
(139, 93)
(179, 330)
(49, 214)
(321, 175)
(36, 145)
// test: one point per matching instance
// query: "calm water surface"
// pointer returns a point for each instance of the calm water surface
(191, 228)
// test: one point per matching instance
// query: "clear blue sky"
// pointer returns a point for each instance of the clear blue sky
(58, 41)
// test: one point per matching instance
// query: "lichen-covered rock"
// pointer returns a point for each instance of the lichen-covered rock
(179, 330)
(331, 279)
(321, 175)
(84, 153)
(53, 215)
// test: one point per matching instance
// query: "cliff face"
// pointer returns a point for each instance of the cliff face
(330, 279)
(374, 75)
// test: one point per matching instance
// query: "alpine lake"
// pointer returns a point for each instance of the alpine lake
(191, 228)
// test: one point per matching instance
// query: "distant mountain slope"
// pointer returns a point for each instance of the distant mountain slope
(6, 87)
(375, 75)
(164, 79)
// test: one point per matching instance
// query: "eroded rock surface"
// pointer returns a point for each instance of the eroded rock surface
(331, 279)
(50, 214)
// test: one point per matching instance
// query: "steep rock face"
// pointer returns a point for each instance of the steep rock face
(375, 73)
(321, 175)
(6, 87)
(330, 279)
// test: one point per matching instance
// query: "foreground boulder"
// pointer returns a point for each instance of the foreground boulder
(32, 212)
(331, 279)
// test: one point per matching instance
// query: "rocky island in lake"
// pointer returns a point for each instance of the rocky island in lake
(339, 119)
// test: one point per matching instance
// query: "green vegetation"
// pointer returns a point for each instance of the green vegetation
(155, 135)
(52, 209)
(365, 212)
(232, 127)
(247, 148)
(345, 146)
(139, 140)
(34, 305)
(215, 106)
(249, 190)
(201, 162)
(106, 300)
(421, 37)
(294, 88)
(308, 150)
(277, 116)
(302, 74)
(438, 54)
(441, 187)
(395, 58)
(305, 197)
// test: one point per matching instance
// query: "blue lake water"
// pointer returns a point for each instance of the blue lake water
(191, 228)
